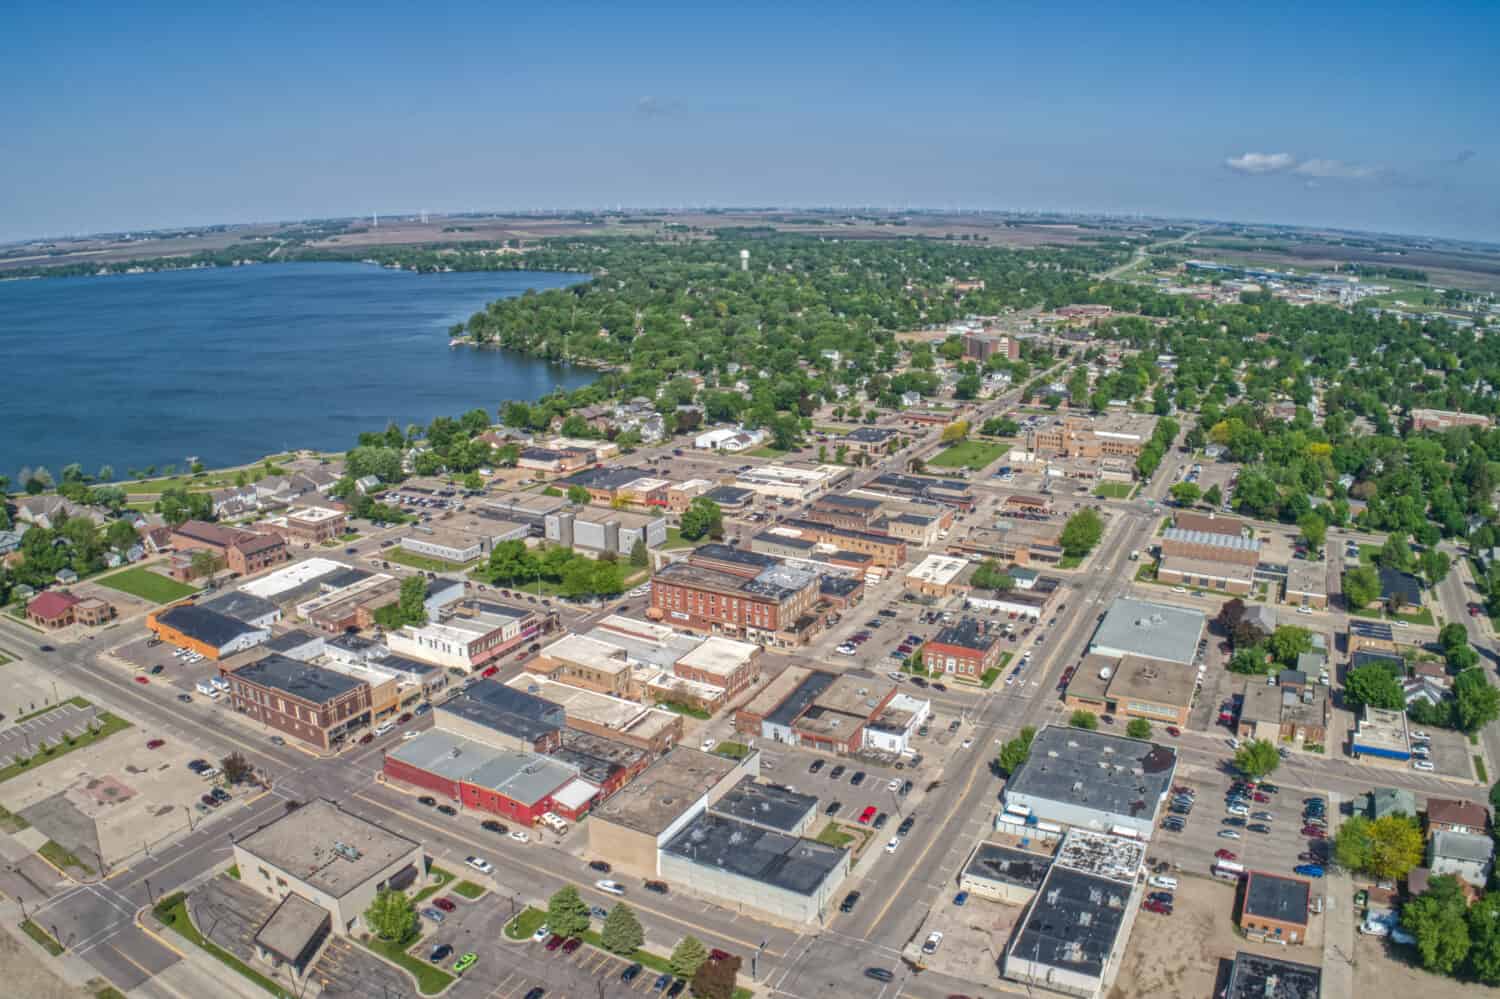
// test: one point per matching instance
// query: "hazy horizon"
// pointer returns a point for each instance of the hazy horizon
(1351, 117)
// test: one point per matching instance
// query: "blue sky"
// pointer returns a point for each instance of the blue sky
(1372, 116)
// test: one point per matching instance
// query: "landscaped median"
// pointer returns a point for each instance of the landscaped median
(430, 979)
(443, 876)
(172, 912)
(105, 725)
(468, 890)
(526, 922)
(62, 858)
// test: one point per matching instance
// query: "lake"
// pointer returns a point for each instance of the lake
(232, 364)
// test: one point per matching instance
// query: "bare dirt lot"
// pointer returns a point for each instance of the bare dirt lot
(1177, 956)
(1381, 968)
(26, 974)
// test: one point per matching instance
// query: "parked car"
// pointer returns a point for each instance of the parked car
(1309, 870)
(599, 865)
(612, 887)
(933, 942)
(880, 974)
(433, 915)
(440, 953)
(494, 827)
(480, 864)
(849, 902)
(465, 963)
(660, 887)
(961, 898)
(447, 809)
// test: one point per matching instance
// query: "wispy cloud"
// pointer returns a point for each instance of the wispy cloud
(1258, 163)
(655, 107)
(1261, 164)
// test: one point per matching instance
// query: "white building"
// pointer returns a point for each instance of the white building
(893, 728)
(478, 633)
(731, 439)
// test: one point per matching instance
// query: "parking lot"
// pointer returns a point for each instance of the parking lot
(176, 671)
(1193, 849)
(23, 738)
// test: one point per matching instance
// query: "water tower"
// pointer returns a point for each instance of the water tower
(744, 260)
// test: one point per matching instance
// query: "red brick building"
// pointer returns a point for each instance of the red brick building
(964, 650)
(313, 705)
(244, 552)
(52, 609)
(735, 593)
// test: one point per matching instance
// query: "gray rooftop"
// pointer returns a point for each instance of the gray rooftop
(993, 862)
(1273, 896)
(768, 805)
(292, 929)
(1463, 846)
(506, 709)
(1232, 542)
(240, 605)
(299, 679)
(801, 698)
(294, 639)
(1153, 630)
(1095, 770)
(1073, 922)
(790, 863)
(204, 624)
(302, 843)
(1256, 976)
(520, 776)
(665, 790)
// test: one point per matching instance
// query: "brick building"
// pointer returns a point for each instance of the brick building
(964, 650)
(716, 592)
(317, 706)
(244, 552)
(1275, 908)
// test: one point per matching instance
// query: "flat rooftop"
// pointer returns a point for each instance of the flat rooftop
(1154, 680)
(1272, 896)
(1256, 976)
(769, 805)
(1074, 922)
(1303, 576)
(1381, 729)
(720, 656)
(614, 713)
(774, 692)
(665, 790)
(1095, 770)
(970, 633)
(299, 679)
(303, 844)
(204, 624)
(800, 697)
(240, 605)
(939, 570)
(1007, 865)
(1149, 629)
(790, 863)
(1228, 542)
(291, 577)
(1102, 855)
(520, 776)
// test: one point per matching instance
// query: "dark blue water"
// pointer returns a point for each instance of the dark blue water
(235, 363)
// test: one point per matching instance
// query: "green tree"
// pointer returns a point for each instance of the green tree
(392, 917)
(638, 555)
(1434, 565)
(1215, 496)
(578, 494)
(1288, 642)
(1314, 531)
(1452, 635)
(120, 536)
(1018, 750)
(1384, 848)
(1396, 554)
(1138, 728)
(703, 517)
(1438, 918)
(473, 482)
(1084, 719)
(1475, 701)
(1374, 685)
(1257, 758)
(567, 913)
(413, 600)
(204, 563)
(1186, 493)
(622, 932)
(1361, 586)
(236, 768)
(687, 957)
(1082, 532)
(955, 431)
(716, 979)
(1484, 938)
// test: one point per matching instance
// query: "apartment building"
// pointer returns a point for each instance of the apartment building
(766, 606)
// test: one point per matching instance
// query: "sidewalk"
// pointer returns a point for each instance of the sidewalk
(1338, 921)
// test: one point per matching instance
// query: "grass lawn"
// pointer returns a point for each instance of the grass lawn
(684, 709)
(832, 835)
(645, 957)
(172, 911)
(1367, 554)
(1423, 616)
(1364, 612)
(527, 922)
(468, 889)
(420, 561)
(109, 992)
(988, 678)
(1070, 561)
(733, 750)
(676, 540)
(108, 726)
(141, 582)
(10, 822)
(4, 658)
(766, 452)
(42, 937)
(430, 979)
(61, 856)
(968, 454)
(1479, 771)
(1115, 490)
(443, 876)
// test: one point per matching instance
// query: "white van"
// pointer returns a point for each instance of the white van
(220, 682)
(207, 689)
(384, 727)
(1162, 881)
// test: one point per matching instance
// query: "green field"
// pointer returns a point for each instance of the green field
(968, 454)
(143, 583)
(1115, 490)
(421, 561)
(832, 835)
(676, 540)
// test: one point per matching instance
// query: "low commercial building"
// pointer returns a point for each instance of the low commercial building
(247, 607)
(1381, 736)
(1255, 976)
(1211, 546)
(1307, 584)
(731, 499)
(1029, 599)
(1004, 873)
(469, 635)
(630, 829)
(815, 709)
(1209, 523)
(886, 550)
(892, 730)
(870, 441)
(787, 877)
(940, 576)
(502, 717)
(52, 609)
(516, 785)
(792, 482)
(649, 728)
(206, 632)
(606, 763)
(1285, 713)
(1132, 687)
(318, 706)
(954, 493)
(547, 461)
(333, 859)
(964, 650)
(349, 600)
(1206, 574)
(1090, 780)
(730, 439)
(1150, 630)
(1274, 908)
(1018, 542)
(1456, 816)
(298, 644)
(244, 552)
(531, 509)
(1072, 938)
(605, 530)
(770, 806)
(307, 525)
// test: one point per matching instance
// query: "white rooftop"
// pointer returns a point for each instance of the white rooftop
(291, 577)
(938, 569)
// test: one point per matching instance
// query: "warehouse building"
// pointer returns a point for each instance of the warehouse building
(1004, 873)
(515, 785)
(1150, 630)
(204, 631)
(1089, 780)
(1255, 976)
(1274, 908)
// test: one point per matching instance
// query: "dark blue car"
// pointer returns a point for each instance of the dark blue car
(1309, 870)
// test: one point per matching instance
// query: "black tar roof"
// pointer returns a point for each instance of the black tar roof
(994, 862)
(506, 709)
(874, 435)
(787, 862)
(729, 495)
(798, 700)
(739, 556)
(1095, 770)
(768, 805)
(299, 679)
(1073, 922)
(968, 633)
(1393, 663)
(239, 605)
(1272, 896)
(1255, 976)
(205, 625)
(291, 640)
(1402, 584)
(603, 477)
(838, 586)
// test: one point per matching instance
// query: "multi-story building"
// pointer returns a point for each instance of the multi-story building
(317, 706)
(1443, 419)
(963, 650)
(1020, 542)
(308, 525)
(886, 550)
(469, 634)
(872, 442)
(764, 603)
(606, 530)
(983, 346)
(1076, 437)
(244, 552)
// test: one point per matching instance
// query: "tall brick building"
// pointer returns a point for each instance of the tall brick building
(721, 590)
(244, 552)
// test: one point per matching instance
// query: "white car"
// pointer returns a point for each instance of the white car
(1162, 881)
(409, 734)
(891, 846)
(894, 784)
(933, 942)
(708, 744)
(1179, 589)
(1234, 743)
(1422, 765)
(613, 887)
(542, 932)
(967, 743)
(519, 836)
(480, 864)
(1304, 610)
(1419, 734)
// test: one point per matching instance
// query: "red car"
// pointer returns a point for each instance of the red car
(1313, 832)
(718, 955)
(1161, 908)
(491, 671)
(1225, 854)
(141, 679)
(866, 815)
(572, 944)
(1173, 731)
(1262, 797)
(156, 743)
(446, 904)
(554, 942)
